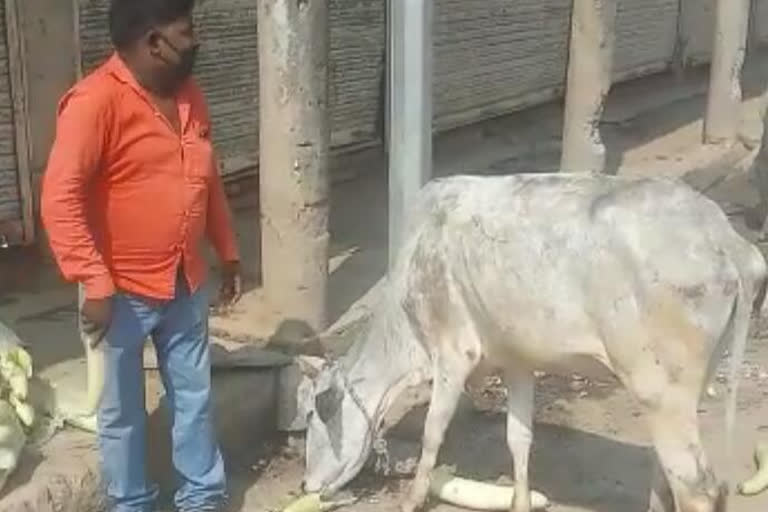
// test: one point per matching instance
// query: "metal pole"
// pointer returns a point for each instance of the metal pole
(410, 109)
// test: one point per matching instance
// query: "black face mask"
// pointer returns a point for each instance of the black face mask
(186, 61)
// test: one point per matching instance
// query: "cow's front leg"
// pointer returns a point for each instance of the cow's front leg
(447, 387)
(520, 388)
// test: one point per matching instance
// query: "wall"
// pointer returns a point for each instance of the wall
(493, 56)
(48, 28)
(10, 198)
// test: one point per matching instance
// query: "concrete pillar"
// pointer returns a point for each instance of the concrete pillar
(721, 122)
(590, 65)
(294, 140)
(410, 109)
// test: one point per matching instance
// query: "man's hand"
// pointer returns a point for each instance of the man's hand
(95, 317)
(231, 286)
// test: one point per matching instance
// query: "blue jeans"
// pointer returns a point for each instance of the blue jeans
(179, 331)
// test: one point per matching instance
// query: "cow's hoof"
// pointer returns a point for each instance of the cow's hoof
(408, 506)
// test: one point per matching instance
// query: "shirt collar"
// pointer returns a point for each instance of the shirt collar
(118, 69)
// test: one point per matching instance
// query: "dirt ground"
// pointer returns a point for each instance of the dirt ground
(591, 446)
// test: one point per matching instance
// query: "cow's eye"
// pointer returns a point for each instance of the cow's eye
(327, 403)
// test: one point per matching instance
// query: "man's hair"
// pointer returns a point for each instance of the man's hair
(129, 20)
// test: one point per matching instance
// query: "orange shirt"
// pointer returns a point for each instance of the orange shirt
(126, 198)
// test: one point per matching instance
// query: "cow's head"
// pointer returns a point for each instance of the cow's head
(339, 433)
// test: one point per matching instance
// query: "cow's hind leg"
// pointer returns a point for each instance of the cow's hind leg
(660, 499)
(675, 432)
(520, 385)
(674, 428)
(449, 378)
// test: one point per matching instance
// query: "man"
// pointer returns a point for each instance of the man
(130, 192)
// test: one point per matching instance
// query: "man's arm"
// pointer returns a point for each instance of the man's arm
(219, 228)
(82, 129)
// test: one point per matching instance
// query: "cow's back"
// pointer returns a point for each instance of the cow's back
(553, 261)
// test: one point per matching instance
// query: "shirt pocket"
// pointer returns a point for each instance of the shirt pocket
(199, 168)
(200, 161)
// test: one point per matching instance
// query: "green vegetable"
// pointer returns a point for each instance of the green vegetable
(12, 440)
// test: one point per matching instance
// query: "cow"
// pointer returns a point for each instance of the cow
(530, 272)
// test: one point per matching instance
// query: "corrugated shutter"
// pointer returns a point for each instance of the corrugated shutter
(646, 35)
(10, 201)
(493, 56)
(760, 21)
(358, 40)
(698, 27)
(228, 68)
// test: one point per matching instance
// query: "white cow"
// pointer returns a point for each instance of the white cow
(543, 271)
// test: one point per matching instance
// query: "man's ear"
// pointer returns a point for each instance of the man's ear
(153, 39)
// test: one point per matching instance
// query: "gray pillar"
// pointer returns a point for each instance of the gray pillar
(410, 114)
(293, 159)
(590, 65)
(723, 116)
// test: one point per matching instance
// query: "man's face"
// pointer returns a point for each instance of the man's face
(174, 49)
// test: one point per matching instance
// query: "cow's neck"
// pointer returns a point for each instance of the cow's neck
(385, 362)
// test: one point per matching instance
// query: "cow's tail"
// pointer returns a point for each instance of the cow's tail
(739, 333)
(752, 279)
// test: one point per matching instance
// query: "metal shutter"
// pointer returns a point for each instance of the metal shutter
(228, 67)
(760, 20)
(495, 56)
(356, 90)
(10, 200)
(698, 26)
(646, 36)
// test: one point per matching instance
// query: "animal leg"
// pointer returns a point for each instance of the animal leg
(447, 388)
(661, 499)
(520, 401)
(675, 431)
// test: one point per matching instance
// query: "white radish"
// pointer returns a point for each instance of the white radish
(24, 411)
(759, 481)
(472, 494)
(19, 385)
(94, 359)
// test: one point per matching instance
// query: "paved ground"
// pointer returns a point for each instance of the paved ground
(652, 127)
